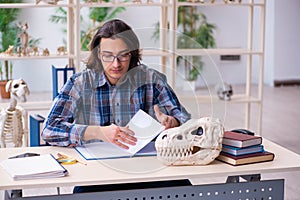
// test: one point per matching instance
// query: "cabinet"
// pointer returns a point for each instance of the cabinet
(167, 51)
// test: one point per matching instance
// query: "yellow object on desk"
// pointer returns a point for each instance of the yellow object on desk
(67, 160)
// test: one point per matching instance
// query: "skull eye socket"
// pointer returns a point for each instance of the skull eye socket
(179, 137)
(16, 85)
(198, 131)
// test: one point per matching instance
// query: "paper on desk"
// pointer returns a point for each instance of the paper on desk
(44, 166)
(105, 150)
(145, 128)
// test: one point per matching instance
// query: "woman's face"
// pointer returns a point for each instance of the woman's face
(115, 57)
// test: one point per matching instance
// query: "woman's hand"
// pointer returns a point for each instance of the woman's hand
(121, 136)
(166, 120)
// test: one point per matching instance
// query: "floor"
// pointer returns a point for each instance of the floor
(281, 106)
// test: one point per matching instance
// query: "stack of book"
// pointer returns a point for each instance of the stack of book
(239, 149)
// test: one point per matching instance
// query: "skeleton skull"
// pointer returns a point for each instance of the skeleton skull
(18, 89)
(196, 142)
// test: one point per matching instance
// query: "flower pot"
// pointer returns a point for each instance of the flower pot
(189, 85)
(4, 94)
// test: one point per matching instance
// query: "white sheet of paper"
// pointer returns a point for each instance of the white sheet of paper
(145, 128)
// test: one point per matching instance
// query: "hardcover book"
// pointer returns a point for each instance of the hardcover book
(247, 158)
(236, 151)
(240, 140)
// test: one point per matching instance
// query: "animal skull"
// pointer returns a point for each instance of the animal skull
(224, 91)
(18, 89)
(196, 142)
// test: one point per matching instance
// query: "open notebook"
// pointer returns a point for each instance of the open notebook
(145, 128)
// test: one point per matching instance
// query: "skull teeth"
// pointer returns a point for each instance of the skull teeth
(177, 153)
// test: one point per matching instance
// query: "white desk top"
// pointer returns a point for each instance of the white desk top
(141, 169)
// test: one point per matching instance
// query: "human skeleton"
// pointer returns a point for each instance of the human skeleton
(196, 142)
(13, 121)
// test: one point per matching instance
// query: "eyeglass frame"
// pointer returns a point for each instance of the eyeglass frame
(115, 57)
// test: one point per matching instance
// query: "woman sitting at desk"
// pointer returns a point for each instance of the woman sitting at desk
(97, 103)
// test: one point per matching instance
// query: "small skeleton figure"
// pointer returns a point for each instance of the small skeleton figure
(224, 91)
(52, 2)
(34, 50)
(91, 1)
(196, 1)
(140, 1)
(10, 50)
(232, 1)
(61, 50)
(196, 142)
(24, 38)
(13, 120)
(46, 52)
(19, 51)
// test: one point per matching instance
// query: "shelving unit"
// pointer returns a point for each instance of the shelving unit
(247, 98)
(163, 5)
(168, 50)
(38, 105)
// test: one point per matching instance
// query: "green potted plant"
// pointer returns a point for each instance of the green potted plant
(10, 38)
(8, 31)
(197, 33)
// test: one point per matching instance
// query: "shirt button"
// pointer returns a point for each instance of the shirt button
(118, 103)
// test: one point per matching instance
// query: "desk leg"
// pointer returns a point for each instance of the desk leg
(12, 194)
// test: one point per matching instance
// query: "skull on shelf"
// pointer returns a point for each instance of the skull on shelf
(224, 91)
(196, 142)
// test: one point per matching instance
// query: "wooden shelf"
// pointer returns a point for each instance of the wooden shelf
(208, 4)
(205, 98)
(185, 52)
(125, 4)
(33, 5)
(53, 56)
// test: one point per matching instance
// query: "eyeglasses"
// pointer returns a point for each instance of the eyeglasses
(110, 58)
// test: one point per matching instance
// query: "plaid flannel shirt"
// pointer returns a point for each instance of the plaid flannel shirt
(88, 98)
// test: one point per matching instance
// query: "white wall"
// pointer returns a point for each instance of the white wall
(37, 73)
(282, 41)
(286, 40)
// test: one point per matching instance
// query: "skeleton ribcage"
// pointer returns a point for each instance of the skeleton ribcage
(13, 127)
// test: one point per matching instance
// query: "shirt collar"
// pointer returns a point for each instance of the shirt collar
(102, 79)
